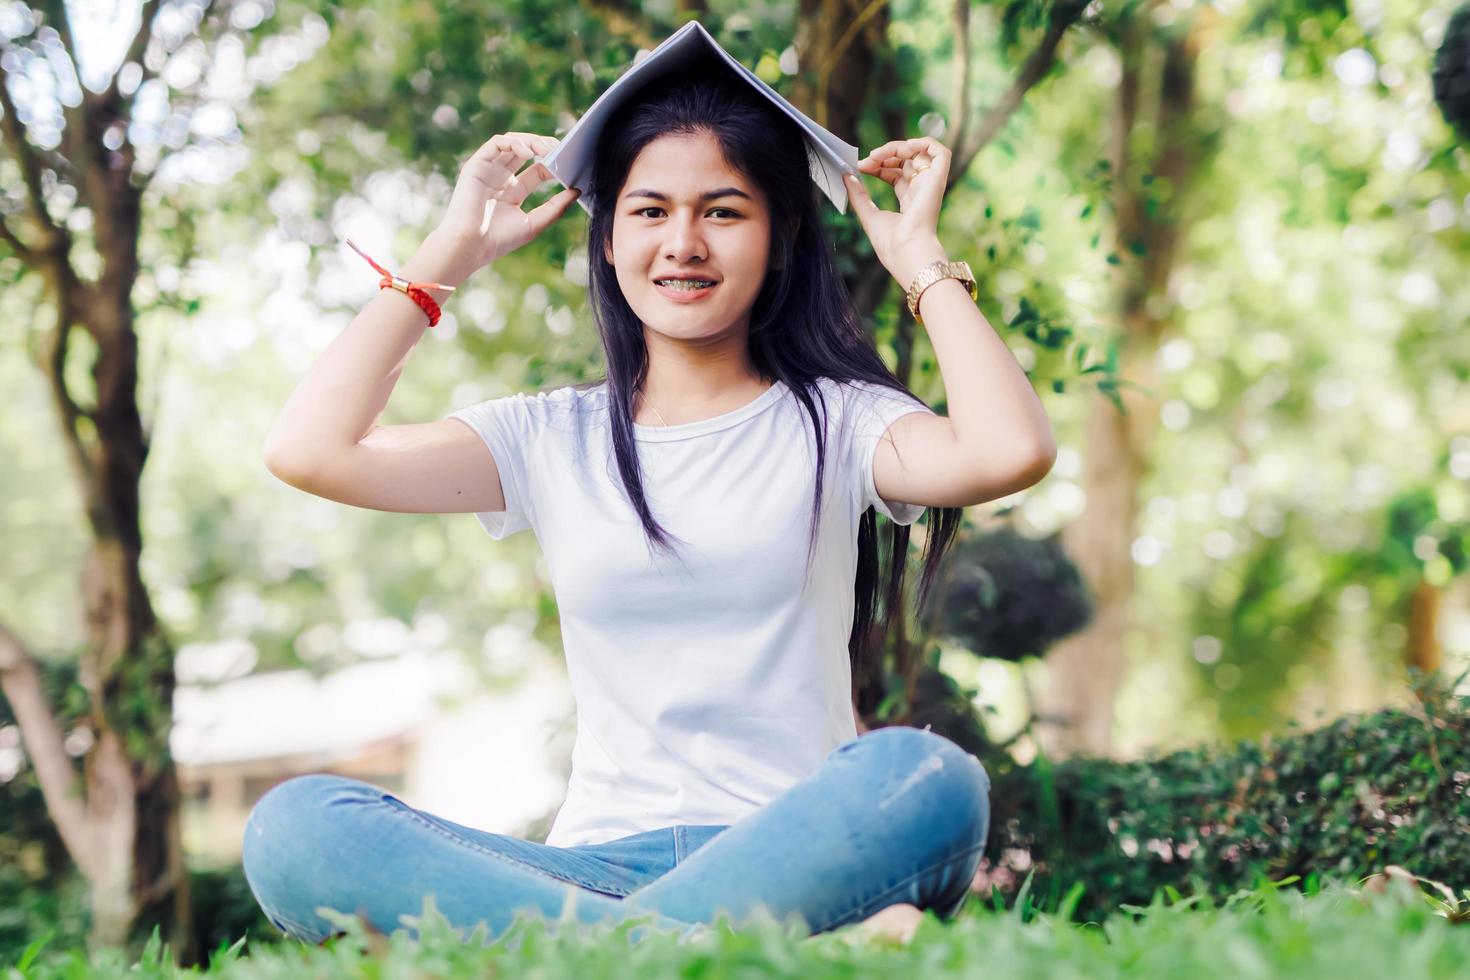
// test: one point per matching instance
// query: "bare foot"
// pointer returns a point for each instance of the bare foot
(896, 922)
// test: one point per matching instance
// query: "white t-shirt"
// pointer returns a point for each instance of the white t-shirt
(705, 684)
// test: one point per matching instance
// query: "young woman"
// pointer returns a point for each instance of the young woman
(717, 767)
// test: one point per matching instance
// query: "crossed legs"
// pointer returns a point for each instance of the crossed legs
(897, 815)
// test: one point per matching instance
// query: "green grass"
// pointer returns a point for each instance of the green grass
(1333, 931)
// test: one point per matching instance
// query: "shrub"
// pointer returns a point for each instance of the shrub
(1391, 787)
(1452, 73)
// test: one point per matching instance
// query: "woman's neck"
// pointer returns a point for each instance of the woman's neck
(692, 379)
(678, 399)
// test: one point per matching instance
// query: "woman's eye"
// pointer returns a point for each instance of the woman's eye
(727, 212)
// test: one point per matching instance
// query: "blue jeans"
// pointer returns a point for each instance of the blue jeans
(895, 815)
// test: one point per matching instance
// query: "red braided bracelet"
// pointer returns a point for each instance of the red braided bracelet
(414, 290)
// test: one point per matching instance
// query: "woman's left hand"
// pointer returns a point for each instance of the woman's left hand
(918, 170)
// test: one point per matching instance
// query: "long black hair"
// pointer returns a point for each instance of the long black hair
(803, 326)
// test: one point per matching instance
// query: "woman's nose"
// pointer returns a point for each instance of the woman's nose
(684, 242)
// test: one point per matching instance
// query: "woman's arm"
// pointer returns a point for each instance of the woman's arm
(339, 401)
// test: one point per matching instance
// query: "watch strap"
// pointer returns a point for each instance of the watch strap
(932, 273)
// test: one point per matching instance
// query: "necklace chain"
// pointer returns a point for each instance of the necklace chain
(650, 404)
(655, 410)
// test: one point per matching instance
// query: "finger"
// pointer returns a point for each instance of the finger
(494, 166)
(507, 143)
(893, 162)
(512, 188)
(536, 138)
(523, 148)
(496, 146)
(527, 138)
(913, 165)
(889, 174)
(541, 145)
(899, 148)
(875, 165)
(497, 174)
(862, 203)
(896, 151)
(526, 183)
(502, 155)
(549, 210)
(487, 149)
(886, 150)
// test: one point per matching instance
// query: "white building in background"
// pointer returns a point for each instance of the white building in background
(420, 725)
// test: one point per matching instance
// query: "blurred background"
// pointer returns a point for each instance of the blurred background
(1227, 240)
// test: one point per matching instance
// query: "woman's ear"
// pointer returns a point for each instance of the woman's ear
(607, 252)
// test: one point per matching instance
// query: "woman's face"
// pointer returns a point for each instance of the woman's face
(684, 212)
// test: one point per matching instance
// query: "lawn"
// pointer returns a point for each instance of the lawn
(1329, 930)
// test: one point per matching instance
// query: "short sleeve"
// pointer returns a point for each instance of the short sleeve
(872, 409)
(507, 426)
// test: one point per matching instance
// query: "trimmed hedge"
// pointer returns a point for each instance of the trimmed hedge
(1391, 787)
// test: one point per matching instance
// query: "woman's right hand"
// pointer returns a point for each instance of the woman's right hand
(484, 214)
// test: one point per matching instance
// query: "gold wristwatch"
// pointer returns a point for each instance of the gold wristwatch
(932, 273)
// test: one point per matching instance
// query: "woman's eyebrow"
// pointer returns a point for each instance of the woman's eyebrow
(706, 196)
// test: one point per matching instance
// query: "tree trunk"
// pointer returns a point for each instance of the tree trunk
(1086, 669)
(111, 796)
(127, 667)
(121, 829)
(1424, 649)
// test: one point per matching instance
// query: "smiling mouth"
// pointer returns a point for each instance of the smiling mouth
(685, 290)
(686, 285)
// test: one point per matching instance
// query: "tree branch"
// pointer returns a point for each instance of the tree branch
(53, 364)
(29, 161)
(962, 77)
(871, 285)
(76, 116)
(20, 680)
(838, 49)
(57, 162)
(60, 21)
(21, 250)
(137, 49)
(627, 20)
(1064, 14)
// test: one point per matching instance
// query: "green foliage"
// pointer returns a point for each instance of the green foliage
(39, 892)
(1347, 799)
(1332, 930)
(225, 910)
(1303, 24)
(55, 910)
(57, 907)
(1303, 245)
(1280, 601)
